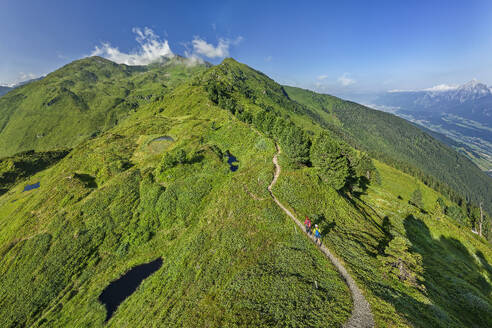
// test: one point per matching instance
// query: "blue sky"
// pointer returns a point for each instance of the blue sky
(338, 47)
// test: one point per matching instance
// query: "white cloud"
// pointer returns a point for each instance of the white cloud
(345, 80)
(401, 90)
(221, 50)
(436, 88)
(22, 77)
(151, 49)
(442, 87)
(322, 77)
(26, 76)
(268, 58)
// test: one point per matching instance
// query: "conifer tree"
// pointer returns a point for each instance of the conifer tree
(328, 158)
(416, 198)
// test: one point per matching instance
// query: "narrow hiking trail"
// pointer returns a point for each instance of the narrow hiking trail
(361, 313)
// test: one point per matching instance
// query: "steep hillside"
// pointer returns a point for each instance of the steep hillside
(184, 179)
(399, 143)
(230, 256)
(21, 166)
(416, 266)
(81, 100)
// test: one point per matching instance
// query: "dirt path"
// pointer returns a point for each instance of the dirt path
(361, 313)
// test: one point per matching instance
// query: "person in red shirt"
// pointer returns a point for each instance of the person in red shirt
(307, 223)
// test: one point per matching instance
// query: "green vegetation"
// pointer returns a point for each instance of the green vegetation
(81, 100)
(231, 258)
(416, 269)
(398, 143)
(339, 165)
(16, 168)
(333, 166)
(416, 198)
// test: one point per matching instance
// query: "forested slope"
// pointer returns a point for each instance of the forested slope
(401, 144)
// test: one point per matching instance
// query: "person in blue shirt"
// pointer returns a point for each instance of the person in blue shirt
(317, 234)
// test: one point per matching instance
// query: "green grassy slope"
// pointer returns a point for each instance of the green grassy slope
(17, 168)
(231, 258)
(445, 278)
(254, 92)
(80, 100)
(395, 141)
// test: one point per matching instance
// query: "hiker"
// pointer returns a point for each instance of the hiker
(317, 234)
(307, 223)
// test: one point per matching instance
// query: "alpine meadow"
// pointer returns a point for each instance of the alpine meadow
(133, 164)
(245, 164)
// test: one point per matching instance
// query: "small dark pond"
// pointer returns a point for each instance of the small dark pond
(230, 160)
(167, 138)
(33, 186)
(117, 291)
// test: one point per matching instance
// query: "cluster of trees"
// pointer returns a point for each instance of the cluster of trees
(468, 214)
(339, 164)
(294, 141)
(221, 94)
(336, 162)
(173, 158)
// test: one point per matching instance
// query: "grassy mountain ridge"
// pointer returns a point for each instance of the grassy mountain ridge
(195, 215)
(80, 100)
(230, 256)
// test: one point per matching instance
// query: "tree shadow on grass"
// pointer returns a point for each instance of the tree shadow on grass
(485, 264)
(381, 242)
(88, 180)
(364, 211)
(387, 236)
(459, 295)
(452, 276)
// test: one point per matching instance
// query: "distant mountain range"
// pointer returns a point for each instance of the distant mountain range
(461, 113)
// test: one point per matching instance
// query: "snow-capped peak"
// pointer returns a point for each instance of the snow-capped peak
(474, 85)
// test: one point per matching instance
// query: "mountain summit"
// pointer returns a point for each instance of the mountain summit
(471, 91)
